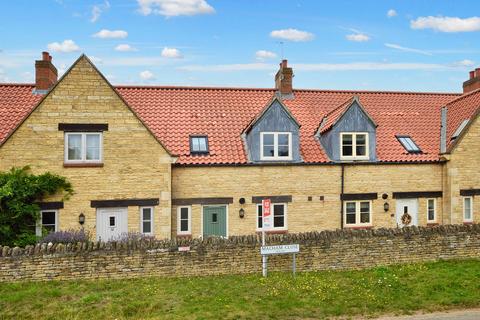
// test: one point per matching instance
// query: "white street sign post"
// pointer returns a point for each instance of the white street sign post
(266, 225)
(281, 249)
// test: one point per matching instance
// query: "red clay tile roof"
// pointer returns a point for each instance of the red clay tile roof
(174, 113)
(333, 115)
(460, 109)
(16, 101)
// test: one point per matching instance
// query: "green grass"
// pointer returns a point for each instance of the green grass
(397, 289)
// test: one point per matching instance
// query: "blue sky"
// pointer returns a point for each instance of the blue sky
(366, 45)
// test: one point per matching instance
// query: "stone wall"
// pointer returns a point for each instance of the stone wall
(326, 250)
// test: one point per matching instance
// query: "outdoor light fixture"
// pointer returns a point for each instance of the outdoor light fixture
(81, 218)
(386, 206)
(241, 213)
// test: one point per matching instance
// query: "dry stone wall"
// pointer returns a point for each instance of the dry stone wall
(326, 250)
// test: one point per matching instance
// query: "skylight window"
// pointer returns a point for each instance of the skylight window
(409, 144)
(198, 144)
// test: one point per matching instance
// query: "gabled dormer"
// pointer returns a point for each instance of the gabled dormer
(348, 133)
(273, 136)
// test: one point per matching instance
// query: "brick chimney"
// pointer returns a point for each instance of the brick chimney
(45, 73)
(283, 79)
(473, 83)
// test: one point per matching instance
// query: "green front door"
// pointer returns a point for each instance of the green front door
(215, 221)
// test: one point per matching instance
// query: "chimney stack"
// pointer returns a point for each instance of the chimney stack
(283, 80)
(45, 74)
(473, 83)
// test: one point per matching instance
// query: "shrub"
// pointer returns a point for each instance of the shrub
(19, 190)
(68, 236)
(132, 236)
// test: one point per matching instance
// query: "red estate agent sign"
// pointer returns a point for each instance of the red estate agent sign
(267, 215)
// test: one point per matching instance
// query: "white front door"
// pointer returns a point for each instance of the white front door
(111, 223)
(407, 212)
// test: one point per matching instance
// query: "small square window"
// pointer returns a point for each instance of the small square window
(47, 223)
(198, 144)
(276, 145)
(279, 211)
(358, 213)
(82, 147)
(409, 145)
(354, 146)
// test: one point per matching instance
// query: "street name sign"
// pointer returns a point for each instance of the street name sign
(280, 249)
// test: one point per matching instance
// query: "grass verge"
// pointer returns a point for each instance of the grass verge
(396, 289)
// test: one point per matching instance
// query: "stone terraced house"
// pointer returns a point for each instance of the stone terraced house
(188, 161)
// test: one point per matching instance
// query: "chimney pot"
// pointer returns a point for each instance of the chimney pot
(472, 74)
(45, 56)
(477, 72)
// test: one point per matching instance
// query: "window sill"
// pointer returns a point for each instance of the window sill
(273, 232)
(467, 222)
(82, 165)
(432, 224)
(358, 227)
(184, 235)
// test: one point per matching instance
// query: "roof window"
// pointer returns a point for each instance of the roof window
(409, 145)
(459, 129)
(198, 144)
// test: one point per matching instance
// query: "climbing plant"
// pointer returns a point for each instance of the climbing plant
(19, 190)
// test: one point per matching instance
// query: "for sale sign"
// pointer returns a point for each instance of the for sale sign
(267, 214)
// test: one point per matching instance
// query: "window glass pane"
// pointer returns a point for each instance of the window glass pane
(361, 150)
(214, 218)
(283, 139)
(347, 150)
(48, 217)
(361, 139)
(431, 209)
(347, 139)
(467, 202)
(364, 212)
(147, 214)
(147, 226)
(268, 139)
(350, 208)
(184, 225)
(259, 218)
(268, 151)
(202, 144)
(195, 144)
(283, 151)
(278, 216)
(184, 213)
(74, 147)
(112, 221)
(93, 146)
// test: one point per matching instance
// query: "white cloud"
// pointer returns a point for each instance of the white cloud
(357, 37)
(391, 13)
(111, 34)
(65, 46)
(171, 53)
(96, 60)
(292, 35)
(98, 9)
(147, 75)
(264, 54)
(406, 49)
(125, 48)
(172, 8)
(464, 63)
(447, 24)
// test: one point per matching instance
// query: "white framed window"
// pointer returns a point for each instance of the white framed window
(146, 220)
(279, 212)
(354, 145)
(83, 147)
(431, 210)
(468, 209)
(47, 223)
(357, 213)
(275, 145)
(184, 220)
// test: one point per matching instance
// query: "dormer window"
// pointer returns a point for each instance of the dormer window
(354, 146)
(198, 144)
(409, 145)
(276, 146)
